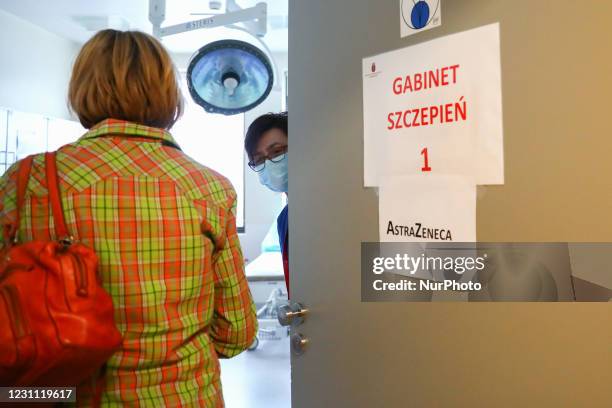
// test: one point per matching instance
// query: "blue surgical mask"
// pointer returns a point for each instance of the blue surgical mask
(275, 176)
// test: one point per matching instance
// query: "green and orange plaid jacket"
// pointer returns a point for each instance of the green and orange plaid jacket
(163, 227)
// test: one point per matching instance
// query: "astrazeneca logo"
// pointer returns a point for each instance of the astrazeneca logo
(419, 14)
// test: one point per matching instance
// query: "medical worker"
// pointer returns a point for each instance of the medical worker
(266, 146)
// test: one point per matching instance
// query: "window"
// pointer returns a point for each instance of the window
(7, 152)
(28, 132)
(23, 134)
(215, 141)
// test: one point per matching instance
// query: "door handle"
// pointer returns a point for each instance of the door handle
(291, 314)
(299, 343)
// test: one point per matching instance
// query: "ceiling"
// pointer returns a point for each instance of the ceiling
(77, 20)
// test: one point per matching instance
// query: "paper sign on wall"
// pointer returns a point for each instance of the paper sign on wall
(419, 15)
(435, 108)
(427, 209)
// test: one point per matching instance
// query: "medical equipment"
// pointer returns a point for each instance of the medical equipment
(227, 76)
(269, 328)
(267, 283)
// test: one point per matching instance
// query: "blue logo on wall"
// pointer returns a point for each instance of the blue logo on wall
(421, 12)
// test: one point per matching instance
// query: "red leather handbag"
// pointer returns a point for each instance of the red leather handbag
(56, 320)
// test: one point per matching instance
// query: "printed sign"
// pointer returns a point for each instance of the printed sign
(427, 209)
(436, 108)
(419, 15)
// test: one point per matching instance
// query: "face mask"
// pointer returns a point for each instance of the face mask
(275, 176)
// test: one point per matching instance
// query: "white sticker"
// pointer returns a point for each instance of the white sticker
(427, 209)
(419, 15)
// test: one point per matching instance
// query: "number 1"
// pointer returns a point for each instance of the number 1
(426, 158)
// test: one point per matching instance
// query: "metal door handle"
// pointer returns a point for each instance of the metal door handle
(299, 343)
(291, 314)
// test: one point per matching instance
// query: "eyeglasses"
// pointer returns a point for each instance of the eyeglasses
(277, 156)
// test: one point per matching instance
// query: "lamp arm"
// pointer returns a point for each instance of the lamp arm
(276, 86)
(257, 27)
(254, 18)
(157, 15)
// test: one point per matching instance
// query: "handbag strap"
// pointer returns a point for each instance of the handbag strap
(61, 231)
(23, 175)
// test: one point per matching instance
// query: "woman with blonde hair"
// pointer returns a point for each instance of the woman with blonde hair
(162, 225)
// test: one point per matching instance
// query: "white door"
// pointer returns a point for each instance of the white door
(557, 84)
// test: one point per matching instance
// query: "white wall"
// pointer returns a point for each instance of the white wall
(35, 68)
(261, 205)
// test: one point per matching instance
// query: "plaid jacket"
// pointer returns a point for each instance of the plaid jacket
(163, 227)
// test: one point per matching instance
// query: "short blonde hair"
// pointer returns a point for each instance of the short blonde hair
(125, 75)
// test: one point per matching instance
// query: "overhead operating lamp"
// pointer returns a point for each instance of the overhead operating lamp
(227, 76)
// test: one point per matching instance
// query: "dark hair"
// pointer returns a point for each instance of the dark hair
(260, 126)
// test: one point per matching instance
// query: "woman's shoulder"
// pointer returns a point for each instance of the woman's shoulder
(205, 182)
(36, 177)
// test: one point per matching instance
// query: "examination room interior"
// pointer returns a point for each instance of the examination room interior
(410, 120)
(39, 41)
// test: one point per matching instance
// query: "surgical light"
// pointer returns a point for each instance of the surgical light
(229, 77)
